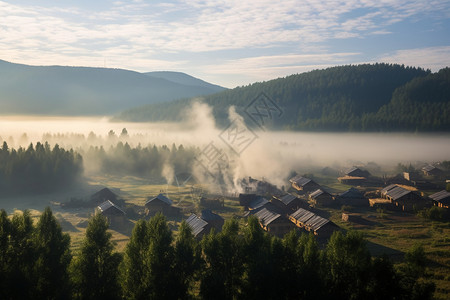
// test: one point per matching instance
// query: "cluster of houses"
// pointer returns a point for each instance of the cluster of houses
(285, 211)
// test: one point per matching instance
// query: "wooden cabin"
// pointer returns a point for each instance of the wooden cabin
(357, 172)
(114, 214)
(161, 204)
(430, 170)
(273, 222)
(304, 184)
(102, 196)
(321, 198)
(289, 203)
(311, 222)
(352, 197)
(405, 199)
(441, 199)
(354, 176)
(198, 226)
(213, 219)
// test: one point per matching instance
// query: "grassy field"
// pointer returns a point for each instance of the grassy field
(394, 233)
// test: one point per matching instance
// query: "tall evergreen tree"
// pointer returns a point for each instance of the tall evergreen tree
(53, 258)
(21, 256)
(95, 271)
(349, 264)
(222, 277)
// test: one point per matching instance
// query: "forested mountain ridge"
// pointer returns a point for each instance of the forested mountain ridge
(344, 98)
(61, 90)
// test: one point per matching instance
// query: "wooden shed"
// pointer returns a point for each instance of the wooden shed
(273, 222)
(316, 224)
(114, 214)
(405, 199)
(352, 197)
(357, 172)
(321, 198)
(198, 226)
(161, 204)
(304, 184)
(441, 199)
(430, 170)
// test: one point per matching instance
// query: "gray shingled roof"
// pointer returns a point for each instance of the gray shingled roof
(197, 224)
(302, 215)
(299, 180)
(395, 192)
(160, 197)
(258, 202)
(286, 199)
(266, 216)
(348, 171)
(107, 205)
(316, 222)
(317, 193)
(208, 215)
(442, 196)
(310, 219)
(352, 193)
(429, 168)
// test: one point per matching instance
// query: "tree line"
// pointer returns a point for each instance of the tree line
(150, 161)
(38, 169)
(240, 262)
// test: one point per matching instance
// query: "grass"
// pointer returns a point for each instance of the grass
(397, 232)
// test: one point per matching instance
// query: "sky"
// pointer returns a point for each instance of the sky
(230, 43)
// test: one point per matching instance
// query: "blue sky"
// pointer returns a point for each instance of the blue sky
(231, 43)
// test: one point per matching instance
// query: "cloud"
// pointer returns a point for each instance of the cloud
(145, 35)
(433, 58)
(264, 68)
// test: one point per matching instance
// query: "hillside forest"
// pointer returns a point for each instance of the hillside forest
(365, 98)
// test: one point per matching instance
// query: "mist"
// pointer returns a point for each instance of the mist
(271, 155)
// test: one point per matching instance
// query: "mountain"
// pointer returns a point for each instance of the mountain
(61, 90)
(185, 79)
(343, 98)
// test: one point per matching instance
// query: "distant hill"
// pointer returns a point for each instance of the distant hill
(185, 79)
(368, 97)
(63, 90)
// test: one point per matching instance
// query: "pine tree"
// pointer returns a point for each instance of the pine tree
(95, 270)
(53, 258)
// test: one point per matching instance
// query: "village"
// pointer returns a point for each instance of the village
(304, 206)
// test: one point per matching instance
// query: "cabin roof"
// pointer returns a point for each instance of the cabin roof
(317, 193)
(317, 222)
(302, 215)
(108, 205)
(429, 168)
(160, 197)
(352, 193)
(352, 169)
(442, 196)
(300, 180)
(258, 202)
(287, 199)
(266, 216)
(208, 215)
(197, 224)
(395, 192)
(310, 219)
